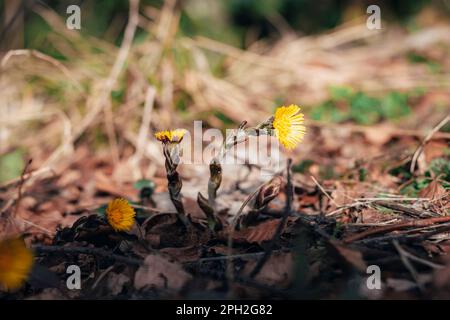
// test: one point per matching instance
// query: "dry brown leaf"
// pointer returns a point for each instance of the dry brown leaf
(278, 270)
(185, 254)
(370, 215)
(433, 191)
(345, 194)
(400, 284)
(193, 209)
(351, 256)
(48, 294)
(158, 272)
(105, 184)
(378, 135)
(68, 178)
(308, 200)
(115, 282)
(434, 149)
(441, 277)
(258, 234)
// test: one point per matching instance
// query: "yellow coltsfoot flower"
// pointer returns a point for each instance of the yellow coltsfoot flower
(120, 215)
(170, 136)
(288, 125)
(16, 261)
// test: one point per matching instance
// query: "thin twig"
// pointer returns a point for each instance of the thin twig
(102, 275)
(324, 191)
(152, 210)
(30, 175)
(398, 207)
(19, 189)
(229, 257)
(420, 260)
(85, 250)
(364, 225)
(11, 218)
(398, 198)
(444, 228)
(407, 263)
(407, 236)
(380, 201)
(398, 226)
(340, 209)
(36, 226)
(424, 142)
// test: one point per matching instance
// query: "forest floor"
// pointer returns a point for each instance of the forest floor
(367, 190)
(314, 243)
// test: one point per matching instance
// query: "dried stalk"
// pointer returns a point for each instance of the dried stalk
(215, 178)
(174, 183)
(419, 150)
(398, 226)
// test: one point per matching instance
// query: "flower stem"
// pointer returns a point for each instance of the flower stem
(174, 182)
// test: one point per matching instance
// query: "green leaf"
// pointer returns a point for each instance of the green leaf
(441, 168)
(414, 57)
(118, 95)
(11, 165)
(144, 183)
(101, 211)
(303, 166)
(326, 172)
(395, 105)
(328, 111)
(145, 187)
(362, 174)
(341, 93)
(413, 189)
(365, 109)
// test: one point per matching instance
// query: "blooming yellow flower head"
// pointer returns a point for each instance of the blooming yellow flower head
(120, 215)
(288, 125)
(170, 136)
(16, 261)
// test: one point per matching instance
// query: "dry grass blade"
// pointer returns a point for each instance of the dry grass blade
(102, 98)
(424, 142)
(44, 57)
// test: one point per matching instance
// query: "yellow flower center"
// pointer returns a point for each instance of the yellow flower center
(120, 215)
(115, 216)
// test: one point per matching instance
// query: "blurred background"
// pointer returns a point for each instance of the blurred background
(136, 67)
